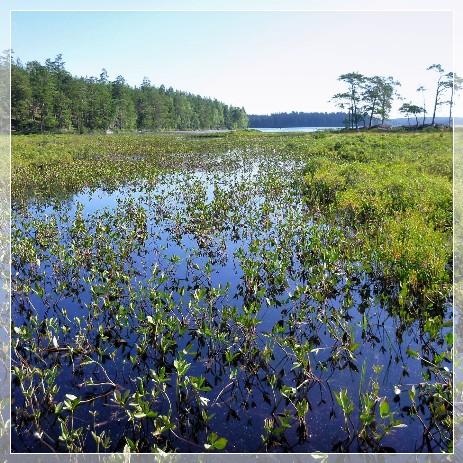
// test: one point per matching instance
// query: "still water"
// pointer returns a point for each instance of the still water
(294, 129)
(222, 270)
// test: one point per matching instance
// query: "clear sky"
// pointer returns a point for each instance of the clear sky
(265, 61)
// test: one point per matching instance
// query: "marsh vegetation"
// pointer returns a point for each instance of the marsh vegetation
(238, 292)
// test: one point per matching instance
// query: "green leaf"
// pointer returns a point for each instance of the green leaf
(412, 353)
(278, 431)
(39, 290)
(449, 339)
(220, 443)
(367, 418)
(411, 393)
(384, 408)
(58, 408)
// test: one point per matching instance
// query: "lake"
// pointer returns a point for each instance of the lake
(294, 129)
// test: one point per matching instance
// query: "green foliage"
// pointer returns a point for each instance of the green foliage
(215, 442)
(344, 402)
(46, 98)
(397, 204)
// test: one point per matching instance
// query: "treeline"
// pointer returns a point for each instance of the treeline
(297, 119)
(48, 98)
(368, 99)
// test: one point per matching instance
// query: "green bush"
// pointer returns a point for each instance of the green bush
(397, 202)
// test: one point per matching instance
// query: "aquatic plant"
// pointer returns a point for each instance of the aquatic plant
(201, 292)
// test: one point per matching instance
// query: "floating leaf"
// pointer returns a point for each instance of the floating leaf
(220, 443)
(412, 353)
(384, 408)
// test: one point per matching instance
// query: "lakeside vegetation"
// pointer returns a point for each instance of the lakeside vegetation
(198, 287)
(368, 101)
(370, 97)
(47, 98)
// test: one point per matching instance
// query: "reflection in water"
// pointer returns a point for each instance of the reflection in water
(208, 311)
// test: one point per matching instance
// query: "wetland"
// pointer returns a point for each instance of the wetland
(232, 292)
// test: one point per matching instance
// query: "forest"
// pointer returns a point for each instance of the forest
(46, 97)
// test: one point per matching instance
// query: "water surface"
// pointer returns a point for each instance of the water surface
(224, 270)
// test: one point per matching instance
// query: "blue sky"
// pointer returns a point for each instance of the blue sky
(264, 61)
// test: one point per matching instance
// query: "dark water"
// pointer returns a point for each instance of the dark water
(165, 274)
